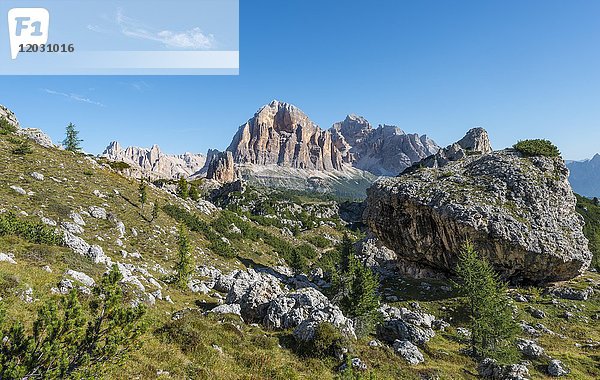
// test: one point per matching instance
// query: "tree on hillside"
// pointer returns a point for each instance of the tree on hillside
(143, 193)
(155, 210)
(194, 195)
(493, 328)
(182, 188)
(297, 261)
(355, 289)
(69, 340)
(72, 141)
(183, 267)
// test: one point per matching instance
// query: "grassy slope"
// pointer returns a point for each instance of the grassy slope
(184, 348)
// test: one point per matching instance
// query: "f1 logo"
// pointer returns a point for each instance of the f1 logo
(27, 26)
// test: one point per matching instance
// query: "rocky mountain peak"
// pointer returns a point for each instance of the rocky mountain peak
(153, 163)
(476, 140)
(386, 150)
(281, 134)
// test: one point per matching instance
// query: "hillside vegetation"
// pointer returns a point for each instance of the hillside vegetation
(44, 188)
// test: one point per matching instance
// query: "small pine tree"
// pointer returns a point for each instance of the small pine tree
(194, 194)
(355, 289)
(297, 261)
(182, 188)
(596, 201)
(6, 127)
(493, 328)
(72, 141)
(143, 193)
(155, 210)
(183, 267)
(68, 341)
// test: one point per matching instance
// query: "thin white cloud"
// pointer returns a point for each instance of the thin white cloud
(74, 97)
(193, 39)
(98, 29)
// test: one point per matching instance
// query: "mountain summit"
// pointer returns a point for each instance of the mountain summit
(386, 150)
(281, 134)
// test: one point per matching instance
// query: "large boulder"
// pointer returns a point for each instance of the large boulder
(519, 212)
(253, 291)
(306, 307)
(405, 325)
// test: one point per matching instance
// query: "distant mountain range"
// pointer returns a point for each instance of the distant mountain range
(281, 146)
(585, 176)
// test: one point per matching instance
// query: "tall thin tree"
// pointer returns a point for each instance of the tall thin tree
(183, 267)
(72, 142)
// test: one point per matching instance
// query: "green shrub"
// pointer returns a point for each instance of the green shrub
(88, 172)
(22, 148)
(119, 165)
(328, 341)
(537, 147)
(70, 340)
(6, 127)
(33, 232)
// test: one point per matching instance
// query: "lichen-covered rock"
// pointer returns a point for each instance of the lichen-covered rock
(404, 324)
(227, 309)
(408, 352)
(557, 369)
(572, 294)
(253, 291)
(519, 212)
(530, 348)
(308, 306)
(490, 369)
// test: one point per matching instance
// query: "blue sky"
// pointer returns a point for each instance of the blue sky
(521, 69)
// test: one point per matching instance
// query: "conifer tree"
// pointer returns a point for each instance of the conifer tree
(67, 341)
(182, 188)
(493, 328)
(297, 261)
(194, 195)
(72, 141)
(183, 267)
(155, 210)
(355, 289)
(143, 193)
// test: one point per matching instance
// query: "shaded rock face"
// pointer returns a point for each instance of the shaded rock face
(281, 134)
(519, 212)
(386, 150)
(154, 163)
(221, 168)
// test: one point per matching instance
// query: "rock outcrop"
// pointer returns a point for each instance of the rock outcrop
(384, 151)
(9, 115)
(221, 168)
(476, 141)
(519, 212)
(281, 134)
(154, 163)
